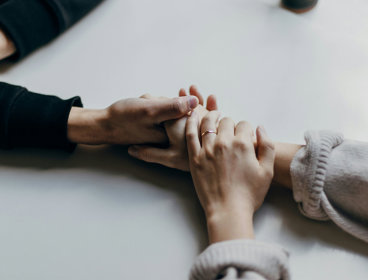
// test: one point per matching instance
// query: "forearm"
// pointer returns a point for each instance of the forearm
(87, 126)
(230, 224)
(7, 47)
(285, 153)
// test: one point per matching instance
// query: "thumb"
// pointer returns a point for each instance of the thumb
(266, 150)
(173, 108)
(150, 154)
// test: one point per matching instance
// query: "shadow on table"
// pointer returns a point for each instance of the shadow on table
(5, 66)
(311, 230)
(116, 161)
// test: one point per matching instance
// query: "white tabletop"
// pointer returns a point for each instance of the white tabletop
(98, 214)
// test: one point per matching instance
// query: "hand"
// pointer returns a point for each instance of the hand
(7, 47)
(175, 155)
(231, 177)
(128, 121)
(211, 100)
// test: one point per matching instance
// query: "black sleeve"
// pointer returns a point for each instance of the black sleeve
(29, 119)
(33, 23)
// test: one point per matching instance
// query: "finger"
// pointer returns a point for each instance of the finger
(244, 131)
(149, 154)
(266, 150)
(191, 134)
(182, 92)
(226, 128)
(254, 139)
(209, 124)
(211, 103)
(173, 108)
(193, 90)
(146, 96)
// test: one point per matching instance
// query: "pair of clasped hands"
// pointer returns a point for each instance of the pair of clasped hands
(231, 165)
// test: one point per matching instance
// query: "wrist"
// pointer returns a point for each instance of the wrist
(230, 224)
(87, 126)
(7, 47)
(284, 156)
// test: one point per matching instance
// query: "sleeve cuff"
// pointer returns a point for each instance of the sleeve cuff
(268, 260)
(29, 24)
(37, 120)
(308, 171)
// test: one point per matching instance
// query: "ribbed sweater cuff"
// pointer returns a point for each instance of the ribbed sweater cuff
(29, 24)
(269, 261)
(308, 171)
(37, 120)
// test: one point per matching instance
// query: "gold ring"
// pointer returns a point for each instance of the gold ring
(208, 132)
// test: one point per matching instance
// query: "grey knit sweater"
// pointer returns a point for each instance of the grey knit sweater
(330, 182)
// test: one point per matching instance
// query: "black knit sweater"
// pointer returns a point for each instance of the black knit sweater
(29, 119)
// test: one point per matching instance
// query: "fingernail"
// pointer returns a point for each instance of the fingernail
(193, 102)
(133, 150)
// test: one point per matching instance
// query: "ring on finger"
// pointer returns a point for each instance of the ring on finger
(209, 132)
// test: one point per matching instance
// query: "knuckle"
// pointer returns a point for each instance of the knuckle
(221, 146)
(240, 145)
(196, 162)
(172, 157)
(148, 112)
(211, 116)
(206, 118)
(177, 106)
(143, 155)
(269, 145)
(146, 96)
(191, 135)
(209, 153)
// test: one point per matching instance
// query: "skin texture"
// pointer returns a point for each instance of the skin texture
(231, 177)
(285, 153)
(175, 154)
(129, 121)
(7, 47)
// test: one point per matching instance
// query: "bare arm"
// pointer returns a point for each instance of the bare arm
(285, 153)
(7, 47)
